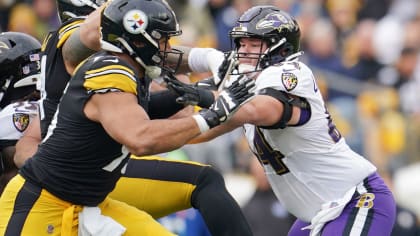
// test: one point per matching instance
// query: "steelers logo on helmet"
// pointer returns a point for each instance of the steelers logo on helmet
(135, 21)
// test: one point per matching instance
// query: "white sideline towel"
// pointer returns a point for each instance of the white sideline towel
(328, 212)
(93, 223)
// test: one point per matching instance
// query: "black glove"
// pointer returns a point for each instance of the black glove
(229, 63)
(229, 101)
(190, 94)
(207, 83)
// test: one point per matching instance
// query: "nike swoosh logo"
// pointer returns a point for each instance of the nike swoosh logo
(226, 113)
(215, 107)
(112, 60)
(95, 59)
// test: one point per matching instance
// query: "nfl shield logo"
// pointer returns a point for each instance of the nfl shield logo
(20, 121)
(289, 81)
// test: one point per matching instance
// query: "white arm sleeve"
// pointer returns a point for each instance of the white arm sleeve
(205, 60)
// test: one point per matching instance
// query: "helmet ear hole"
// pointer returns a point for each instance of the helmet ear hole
(286, 50)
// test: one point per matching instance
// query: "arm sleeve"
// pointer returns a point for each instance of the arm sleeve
(205, 59)
(162, 104)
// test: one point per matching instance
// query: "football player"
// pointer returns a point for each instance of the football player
(330, 189)
(189, 184)
(19, 71)
(101, 119)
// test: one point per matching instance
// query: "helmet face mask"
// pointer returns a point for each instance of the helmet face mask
(20, 66)
(276, 28)
(141, 29)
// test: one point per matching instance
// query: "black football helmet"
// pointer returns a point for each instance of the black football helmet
(76, 8)
(274, 26)
(135, 27)
(19, 66)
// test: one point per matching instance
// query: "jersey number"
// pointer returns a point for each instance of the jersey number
(267, 155)
(332, 129)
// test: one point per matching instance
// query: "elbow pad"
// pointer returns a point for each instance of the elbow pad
(288, 103)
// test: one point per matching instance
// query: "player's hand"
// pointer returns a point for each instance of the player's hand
(229, 63)
(189, 94)
(229, 101)
(207, 83)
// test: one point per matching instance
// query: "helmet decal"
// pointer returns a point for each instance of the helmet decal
(135, 21)
(3, 45)
(34, 57)
(275, 21)
(77, 3)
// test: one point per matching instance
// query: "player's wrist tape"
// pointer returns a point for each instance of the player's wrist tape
(201, 122)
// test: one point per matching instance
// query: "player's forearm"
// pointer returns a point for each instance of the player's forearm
(25, 149)
(163, 136)
(184, 67)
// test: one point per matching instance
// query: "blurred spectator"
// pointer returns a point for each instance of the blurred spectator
(46, 11)
(374, 9)
(5, 9)
(404, 10)
(406, 187)
(263, 211)
(359, 54)
(196, 23)
(307, 13)
(343, 15)
(406, 223)
(23, 19)
(321, 52)
(383, 126)
(412, 34)
(35, 19)
(225, 13)
(410, 96)
(388, 39)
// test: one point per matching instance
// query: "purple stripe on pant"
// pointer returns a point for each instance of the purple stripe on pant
(380, 217)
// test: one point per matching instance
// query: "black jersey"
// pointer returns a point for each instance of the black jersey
(78, 161)
(56, 76)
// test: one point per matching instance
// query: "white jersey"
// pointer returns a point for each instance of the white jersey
(308, 165)
(15, 118)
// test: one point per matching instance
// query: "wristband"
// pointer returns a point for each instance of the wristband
(201, 122)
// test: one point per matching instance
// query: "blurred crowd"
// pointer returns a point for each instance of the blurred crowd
(365, 54)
